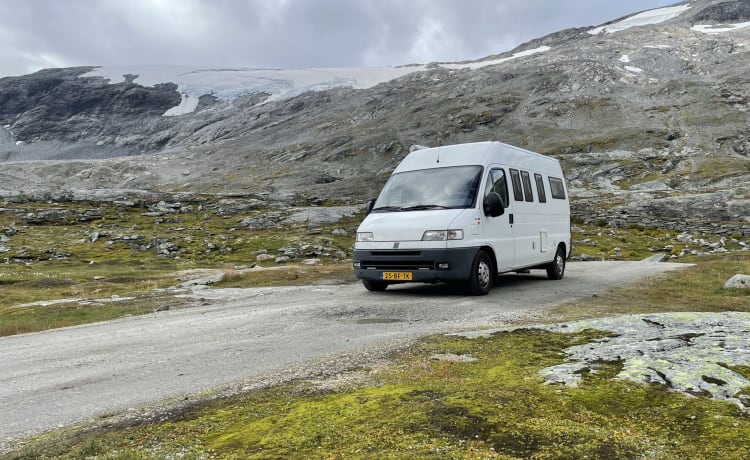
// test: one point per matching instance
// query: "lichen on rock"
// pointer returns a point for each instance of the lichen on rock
(693, 353)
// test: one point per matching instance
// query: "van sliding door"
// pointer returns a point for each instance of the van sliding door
(498, 231)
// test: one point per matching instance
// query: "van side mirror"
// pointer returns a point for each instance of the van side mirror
(369, 206)
(494, 205)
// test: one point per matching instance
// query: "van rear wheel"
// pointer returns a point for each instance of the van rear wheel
(482, 274)
(556, 268)
(375, 286)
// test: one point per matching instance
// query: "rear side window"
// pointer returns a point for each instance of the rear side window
(528, 193)
(556, 188)
(540, 188)
(515, 178)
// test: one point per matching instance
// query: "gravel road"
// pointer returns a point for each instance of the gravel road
(239, 336)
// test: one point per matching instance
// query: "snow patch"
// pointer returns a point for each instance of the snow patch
(229, 84)
(719, 28)
(642, 19)
(188, 104)
(625, 58)
(633, 69)
(480, 64)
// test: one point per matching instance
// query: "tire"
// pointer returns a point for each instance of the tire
(556, 268)
(482, 274)
(375, 286)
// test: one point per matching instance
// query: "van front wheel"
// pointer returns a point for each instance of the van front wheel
(482, 274)
(374, 285)
(556, 268)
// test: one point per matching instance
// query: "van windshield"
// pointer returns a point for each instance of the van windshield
(424, 189)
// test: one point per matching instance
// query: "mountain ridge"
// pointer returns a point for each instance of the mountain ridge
(648, 118)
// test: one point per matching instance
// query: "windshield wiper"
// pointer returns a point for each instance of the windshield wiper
(388, 208)
(425, 207)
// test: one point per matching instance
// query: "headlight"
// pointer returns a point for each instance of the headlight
(434, 235)
(442, 235)
(365, 237)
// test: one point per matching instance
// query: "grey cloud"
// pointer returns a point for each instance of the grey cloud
(280, 33)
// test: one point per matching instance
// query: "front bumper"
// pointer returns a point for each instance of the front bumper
(425, 265)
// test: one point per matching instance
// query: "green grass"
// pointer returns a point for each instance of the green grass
(635, 242)
(716, 168)
(698, 288)
(495, 407)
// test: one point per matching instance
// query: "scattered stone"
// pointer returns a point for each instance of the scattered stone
(660, 257)
(339, 232)
(203, 280)
(311, 262)
(453, 358)
(585, 258)
(268, 220)
(263, 257)
(282, 259)
(738, 281)
(651, 186)
(315, 216)
(688, 352)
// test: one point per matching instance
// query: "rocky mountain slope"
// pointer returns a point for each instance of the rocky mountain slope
(649, 115)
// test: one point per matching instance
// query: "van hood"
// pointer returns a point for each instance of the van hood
(408, 225)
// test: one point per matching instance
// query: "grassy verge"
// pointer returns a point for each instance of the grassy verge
(698, 288)
(495, 406)
(124, 254)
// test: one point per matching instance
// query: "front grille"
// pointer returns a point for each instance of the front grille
(397, 260)
(398, 264)
(396, 253)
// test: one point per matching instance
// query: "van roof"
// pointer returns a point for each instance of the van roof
(477, 153)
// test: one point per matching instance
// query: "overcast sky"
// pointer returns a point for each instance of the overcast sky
(36, 34)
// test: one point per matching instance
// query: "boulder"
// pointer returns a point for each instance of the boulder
(738, 281)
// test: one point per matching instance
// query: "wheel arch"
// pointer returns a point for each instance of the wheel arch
(493, 258)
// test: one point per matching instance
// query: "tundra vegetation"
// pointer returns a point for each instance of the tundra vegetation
(445, 397)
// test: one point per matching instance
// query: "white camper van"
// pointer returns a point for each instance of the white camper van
(465, 213)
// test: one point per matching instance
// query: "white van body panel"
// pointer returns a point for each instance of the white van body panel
(527, 235)
(408, 226)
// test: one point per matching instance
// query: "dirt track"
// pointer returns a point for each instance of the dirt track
(240, 336)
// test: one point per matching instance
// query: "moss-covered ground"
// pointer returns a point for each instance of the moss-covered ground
(420, 407)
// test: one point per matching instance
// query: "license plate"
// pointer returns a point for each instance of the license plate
(396, 276)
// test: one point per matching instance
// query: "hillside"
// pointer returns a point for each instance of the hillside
(649, 115)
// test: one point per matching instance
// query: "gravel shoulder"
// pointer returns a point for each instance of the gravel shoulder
(239, 338)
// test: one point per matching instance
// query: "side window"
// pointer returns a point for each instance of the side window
(540, 188)
(497, 183)
(515, 177)
(556, 188)
(528, 193)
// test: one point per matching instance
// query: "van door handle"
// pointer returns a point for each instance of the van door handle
(510, 219)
